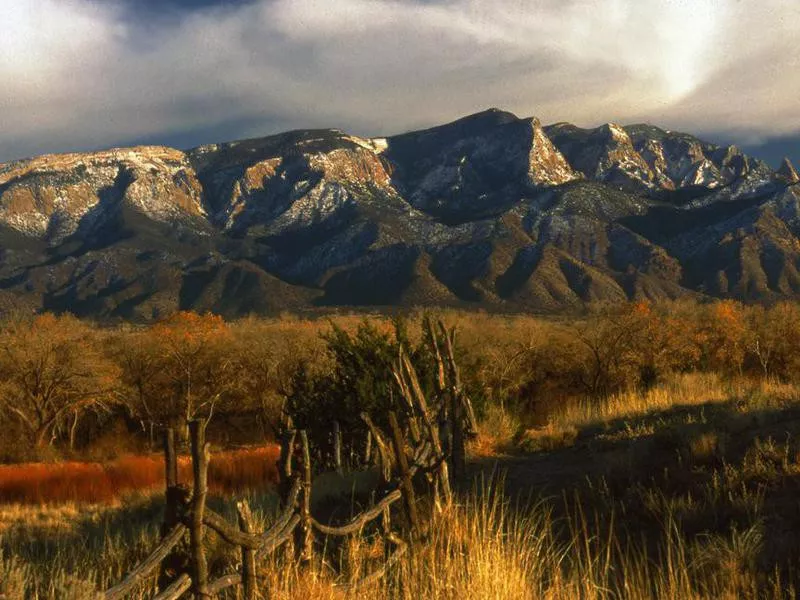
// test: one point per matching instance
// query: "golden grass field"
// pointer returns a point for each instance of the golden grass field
(688, 490)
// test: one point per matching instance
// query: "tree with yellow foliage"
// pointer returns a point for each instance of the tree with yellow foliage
(195, 369)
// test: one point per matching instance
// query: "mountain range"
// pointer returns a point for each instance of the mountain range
(490, 211)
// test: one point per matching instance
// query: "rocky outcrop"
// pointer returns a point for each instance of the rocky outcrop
(54, 197)
(787, 173)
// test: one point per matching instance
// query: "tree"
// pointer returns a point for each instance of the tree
(51, 372)
(196, 370)
(143, 379)
(612, 340)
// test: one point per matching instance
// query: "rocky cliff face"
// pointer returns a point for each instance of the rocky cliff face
(489, 210)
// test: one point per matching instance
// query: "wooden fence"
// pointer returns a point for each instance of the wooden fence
(411, 456)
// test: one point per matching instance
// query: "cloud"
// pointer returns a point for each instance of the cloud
(85, 73)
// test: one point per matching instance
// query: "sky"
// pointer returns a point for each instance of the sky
(89, 74)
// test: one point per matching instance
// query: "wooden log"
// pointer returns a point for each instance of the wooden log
(249, 581)
(170, 458)
(337, 447)
(406, 484)
(200, 457)
(304, 540)
(147, 566)
(176, 589)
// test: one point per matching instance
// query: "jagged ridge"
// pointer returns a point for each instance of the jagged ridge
(489, 210)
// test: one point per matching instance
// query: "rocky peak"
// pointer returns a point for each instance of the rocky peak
(787, 173)
(605, 153)
(291, 176)
(475, 165)
(548, 166)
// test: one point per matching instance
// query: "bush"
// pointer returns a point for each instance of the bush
(360, 380)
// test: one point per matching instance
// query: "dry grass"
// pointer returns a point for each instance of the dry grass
(77, 482)
(691, 389)
(482, 548)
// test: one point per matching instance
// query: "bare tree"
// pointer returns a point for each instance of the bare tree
(51, 372)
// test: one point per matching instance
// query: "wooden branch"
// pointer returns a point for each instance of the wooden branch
(147, 566)
(404, 382)
(406, 485)
(176, 589)
(362, 519)
(440, 375)
(383, 452)
(368, 449)
(433, 432)
(337, 447)
(285, 461)
(200, 456)
(226, 581)
(248, 555)
(228, 532)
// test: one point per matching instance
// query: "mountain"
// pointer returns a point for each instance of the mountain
(491, 210)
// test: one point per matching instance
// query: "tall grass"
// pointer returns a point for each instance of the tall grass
(482, 548)
(49, 483)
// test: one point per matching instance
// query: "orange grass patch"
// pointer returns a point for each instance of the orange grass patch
(44, 483)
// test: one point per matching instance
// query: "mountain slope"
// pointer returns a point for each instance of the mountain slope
(490, 210)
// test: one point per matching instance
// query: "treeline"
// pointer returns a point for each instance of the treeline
(68, 387)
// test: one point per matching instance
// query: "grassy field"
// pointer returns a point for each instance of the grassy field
(688, 490)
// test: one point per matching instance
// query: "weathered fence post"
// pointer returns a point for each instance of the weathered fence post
(337, 447)
(458, 451)
(175, 499)
(285, 464)
(406, 484)
(170, 458)
(200, 457)
(249, 581)
(303, 534)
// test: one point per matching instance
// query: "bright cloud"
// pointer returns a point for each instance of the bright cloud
(90, 73)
